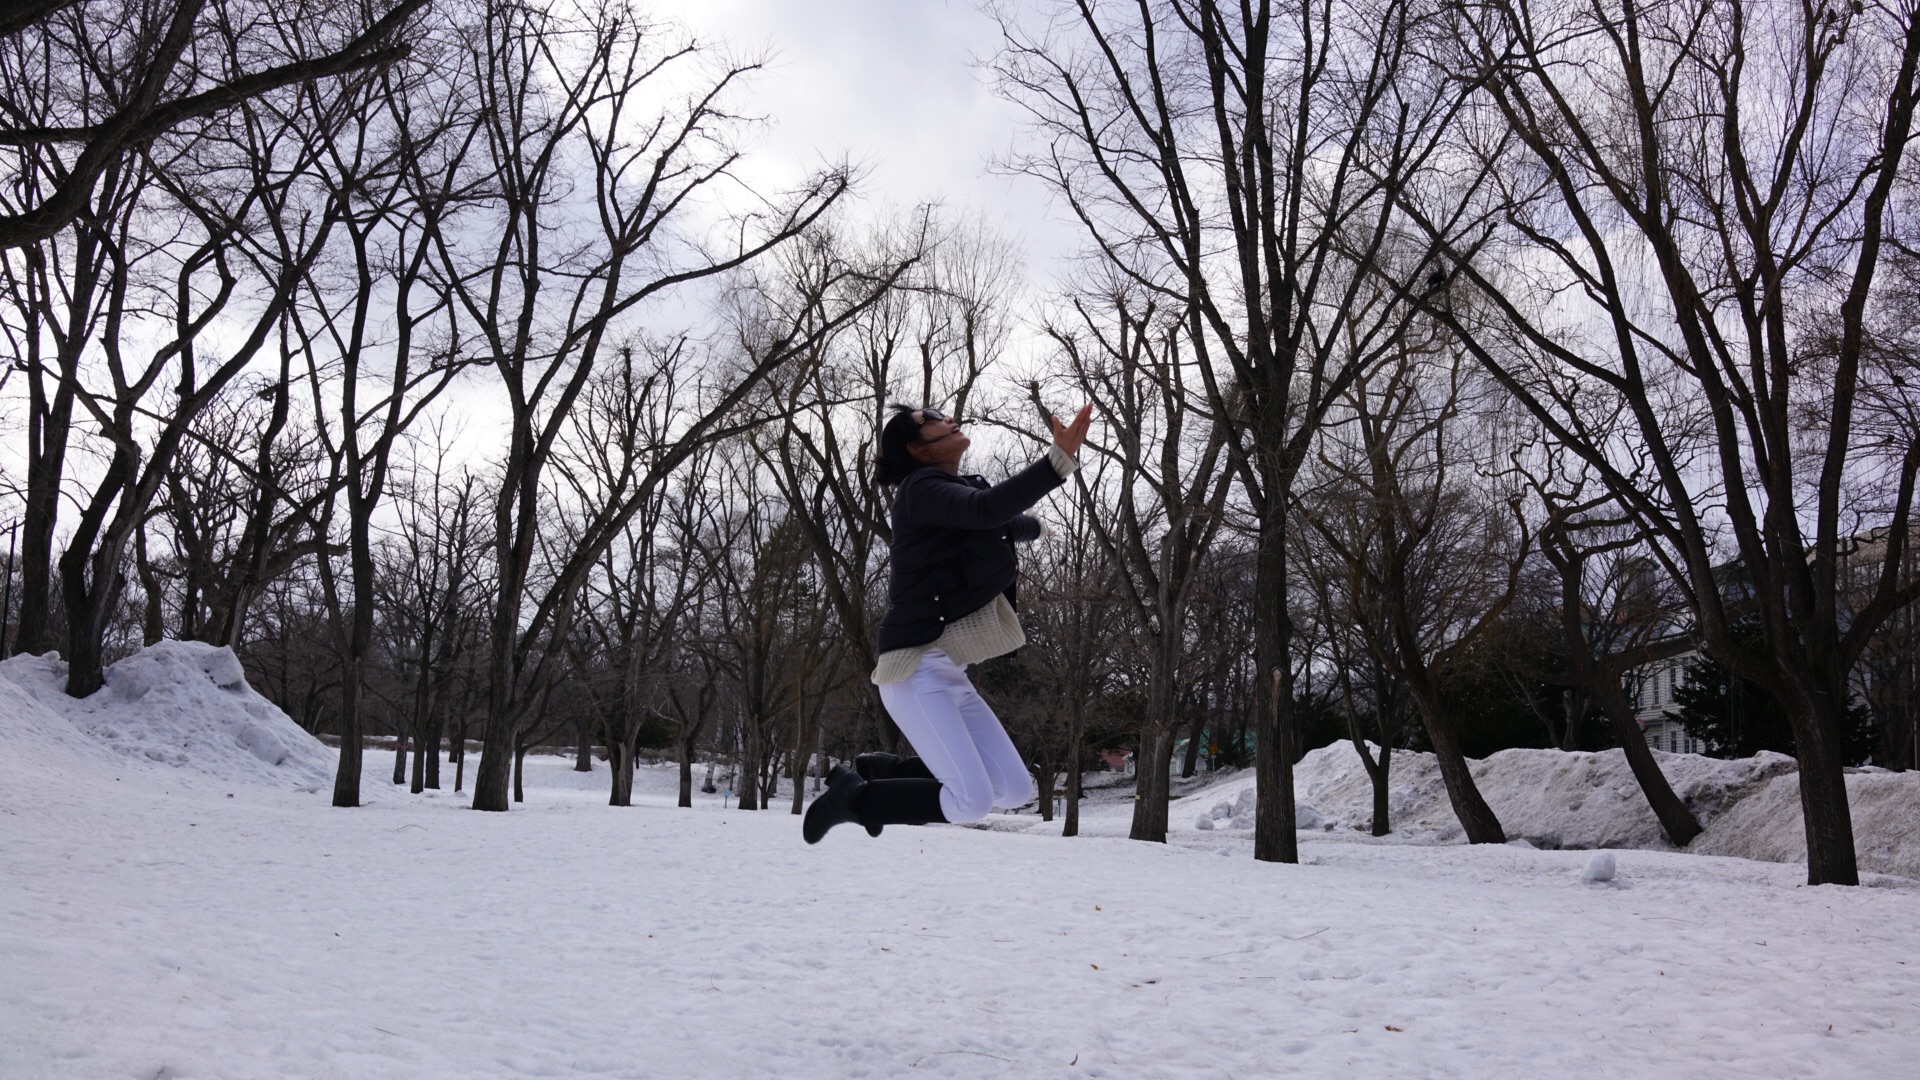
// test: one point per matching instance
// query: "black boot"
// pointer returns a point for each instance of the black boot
(900, 802)
(877, 766)
(835, 773)
(891, 767)
(834, 806)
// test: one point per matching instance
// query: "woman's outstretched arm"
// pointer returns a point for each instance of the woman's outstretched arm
(932, 499)
(957, 506)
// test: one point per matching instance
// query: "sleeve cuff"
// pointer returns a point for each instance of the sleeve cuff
(1062, 462)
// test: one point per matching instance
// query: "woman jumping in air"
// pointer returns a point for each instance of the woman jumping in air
(949, 604)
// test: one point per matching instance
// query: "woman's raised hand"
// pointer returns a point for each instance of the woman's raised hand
(1068, 437)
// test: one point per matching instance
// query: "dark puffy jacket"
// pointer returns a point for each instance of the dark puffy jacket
(952, 547)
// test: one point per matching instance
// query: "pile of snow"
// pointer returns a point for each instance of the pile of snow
(1555, 799)
(39, 739)
(1237, 813)
(183, 704)
(1550, 798)
(1767, 825)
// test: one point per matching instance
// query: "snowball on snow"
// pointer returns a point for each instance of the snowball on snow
(1599, 868)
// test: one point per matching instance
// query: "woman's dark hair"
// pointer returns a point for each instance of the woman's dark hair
(894, 463)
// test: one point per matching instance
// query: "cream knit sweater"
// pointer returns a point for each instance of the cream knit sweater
(992, 631)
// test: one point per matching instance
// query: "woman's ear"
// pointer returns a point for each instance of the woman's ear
(917, 452)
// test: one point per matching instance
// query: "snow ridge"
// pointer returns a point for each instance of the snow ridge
(182, 704)
(1590, 800)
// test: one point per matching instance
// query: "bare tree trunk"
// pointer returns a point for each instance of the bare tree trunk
(620, 763)
(426, 740)
(748, 797)
(459, 753)
(436, 732)
(1573, 726)
(49, 425)
(1155, 759)
(1281, 764)
(1076, 732)
(153, 625)
(88, 610)
(1825, 810)
(1478, 820)
(1378, 772)
(1597, 678)
(1675, 819)
(1152, 765)
(1274, 838)
(346, 779)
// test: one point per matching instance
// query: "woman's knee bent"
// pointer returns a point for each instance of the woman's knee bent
(965, 803)
(1016, 790)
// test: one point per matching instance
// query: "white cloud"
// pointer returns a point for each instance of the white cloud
(894, 86)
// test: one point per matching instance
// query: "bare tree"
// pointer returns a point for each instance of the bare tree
(647, 581)
(1378, 710)
(1073, 613)
(1700, 195)
(91, 84)
(220, 189)
(693, 692)
(1247, 161)
(58, 294)
(1615, 616)
(768, 625)
(1169, 483)
(928, 341)
(430, 586)
(381, 340)
(1429, 555)
(240, 502)
(586, 207)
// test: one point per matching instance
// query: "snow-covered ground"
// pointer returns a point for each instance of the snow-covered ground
(163, 920)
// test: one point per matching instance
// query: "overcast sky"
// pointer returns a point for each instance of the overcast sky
(892, 84)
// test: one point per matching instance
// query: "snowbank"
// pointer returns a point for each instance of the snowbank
(1553, 799)
(1549, 798)
(41, 740)
(183, 704)
(1237, 813)
(1766, 825)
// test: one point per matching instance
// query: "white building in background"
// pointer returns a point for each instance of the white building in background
(1655, 689)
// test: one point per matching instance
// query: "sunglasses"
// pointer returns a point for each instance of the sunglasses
(928, 416)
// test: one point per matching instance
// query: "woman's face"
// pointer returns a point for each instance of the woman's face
(941, 443)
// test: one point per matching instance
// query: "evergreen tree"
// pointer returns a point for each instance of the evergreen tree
(1736, 718)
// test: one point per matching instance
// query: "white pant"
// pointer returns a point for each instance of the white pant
(959, 738)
